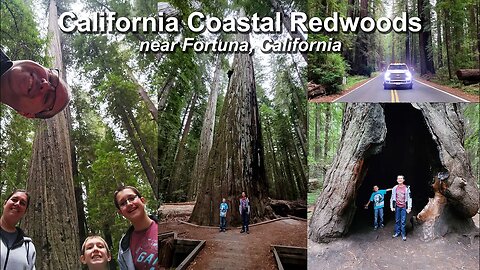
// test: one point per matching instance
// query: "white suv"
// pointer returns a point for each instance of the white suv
(397, 74)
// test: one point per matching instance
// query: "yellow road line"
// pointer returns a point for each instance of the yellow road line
(394, 96)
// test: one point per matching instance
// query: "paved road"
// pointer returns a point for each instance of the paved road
(373, 91)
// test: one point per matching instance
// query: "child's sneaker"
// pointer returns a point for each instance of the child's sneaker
(404, 238)
(396, 235)
(381, 226)
(375, 228)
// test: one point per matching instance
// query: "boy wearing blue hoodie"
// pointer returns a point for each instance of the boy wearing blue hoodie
(223, 215)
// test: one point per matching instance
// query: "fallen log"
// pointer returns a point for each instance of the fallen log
(471, 75)
(285, 208)
(315, 90)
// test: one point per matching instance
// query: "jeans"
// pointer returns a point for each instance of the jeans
(223, 223)
(245, 221)
(400, 220)
(378, 221)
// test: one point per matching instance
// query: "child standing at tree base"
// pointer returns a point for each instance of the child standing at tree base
(378, 198)
(244, 209)
(223, 215)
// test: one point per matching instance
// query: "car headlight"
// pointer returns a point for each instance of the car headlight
(387, 75)
(409, 75)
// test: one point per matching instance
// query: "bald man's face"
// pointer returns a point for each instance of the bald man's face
(33, 90)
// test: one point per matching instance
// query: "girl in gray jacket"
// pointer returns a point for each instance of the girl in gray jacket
(16, 249)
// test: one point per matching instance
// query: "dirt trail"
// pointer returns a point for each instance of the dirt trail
(235, 250)
(369, 249)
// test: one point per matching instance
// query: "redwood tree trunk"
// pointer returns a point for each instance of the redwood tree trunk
(328, 116)
(146, 166)
(363, 129)
(439, 41)
(236, 161)
(317, 146)
(446, 30)
(150, 151)
(425, 39)
(179, 180)
(51, 220)
(361, 61)
(146, 99)
(164, 92)
(206, 136)
(407, 40)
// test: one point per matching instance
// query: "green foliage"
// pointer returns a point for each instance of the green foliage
(313, 196)
(472, 140)
(19, 34)
(316, 137)
(441, 77)
(16, 146)
(351, 80)
(283, 121)
(262, 8)
(19, 37)
(328, 71)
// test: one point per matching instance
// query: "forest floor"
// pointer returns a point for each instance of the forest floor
(235, 250)
(365, 248)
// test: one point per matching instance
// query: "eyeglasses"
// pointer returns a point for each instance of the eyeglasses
(130, 199)
(54, 81)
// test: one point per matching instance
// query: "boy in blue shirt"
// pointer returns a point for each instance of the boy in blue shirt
(378, 198)
(223, 215)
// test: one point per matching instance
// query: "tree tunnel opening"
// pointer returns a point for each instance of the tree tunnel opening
(408, 150)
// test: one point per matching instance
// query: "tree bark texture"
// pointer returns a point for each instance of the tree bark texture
(315, 90)
(425, 38)
(468, 74)
(477, 22)
(439, 41)
(51, 220)
(141, 154)
(407, 38)
(236, 161)
(164, 92)
(109, 240)
(328, 116)
(363, 136)
(179, 180)
(364, 131)
(149, 150)
(446, 30)
(445, 123)
(144, 96)
(437, 218)
(273, 170)
(317, 147)
(362, 44)
(206, 136)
